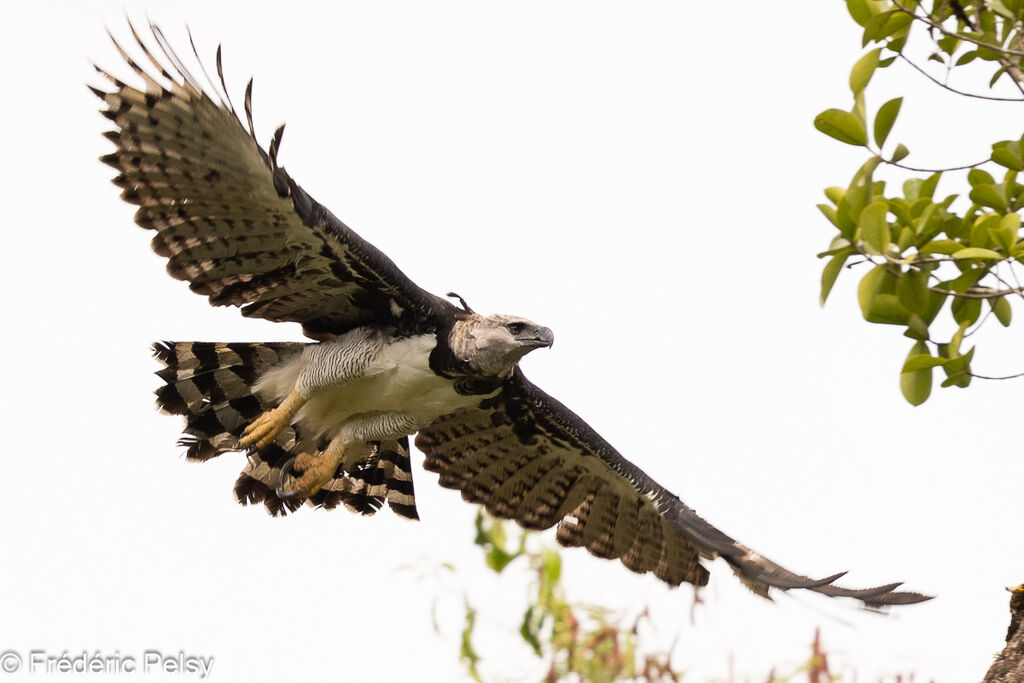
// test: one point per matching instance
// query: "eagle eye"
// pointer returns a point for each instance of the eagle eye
(515, 328)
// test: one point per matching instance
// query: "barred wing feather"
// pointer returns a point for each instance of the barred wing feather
(525, 456)
(232, 222)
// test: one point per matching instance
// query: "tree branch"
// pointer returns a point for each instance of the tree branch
(1012, 68)
(951, 89)
(959, 36)
(1009, 664)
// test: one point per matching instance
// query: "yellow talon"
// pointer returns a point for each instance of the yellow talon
(315, 471)
(262, 431)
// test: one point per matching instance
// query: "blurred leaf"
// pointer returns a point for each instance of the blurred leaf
(868, 288)
(920, 359)
(947, 247)
(835, 194)
(841, 125)
(529, 630)
(912, 290)
(987, 195)
(958, 369)
(1008, 155)
(1002, 310)
(885, 118)
(976, 176)
(859, 11)
(917, 328)
(862, 71)
(830, 213)
(948, 44)
(900, 153)
(886, 309)
(981, 229)
(916, 383)
(467, 653)
(954, 344)
(874, 228)
(976, 252)
(966, 311)
(1005, 235)
(929, 184)
(967, 58)
(857, 196)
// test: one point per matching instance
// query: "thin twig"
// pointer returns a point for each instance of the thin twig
(969, 294)
(951, 89)
(958, 36)
(1012, 68)
(1019, 374)
(937, 170)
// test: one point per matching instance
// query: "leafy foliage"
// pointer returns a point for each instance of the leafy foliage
(924, 250)
(575, 641)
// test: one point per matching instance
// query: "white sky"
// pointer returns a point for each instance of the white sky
(640, 177)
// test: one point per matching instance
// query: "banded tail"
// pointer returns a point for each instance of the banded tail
(210, 383)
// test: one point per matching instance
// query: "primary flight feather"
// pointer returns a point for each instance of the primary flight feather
(328, 422)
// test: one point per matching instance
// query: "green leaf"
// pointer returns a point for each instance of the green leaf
(921, 360)
(862, 71)
(843, 126)
(835, 194)
(976, 252)
(830, 213)
(1005, 236)
(981, 230)
(885, 118)
(928, 185)
(467, 653)
(998, 74)
(916, 384)
(529, 630)
(966, 311)
(976, 176)
(967, 57)
(857, 196)
(886, 309)
(859, 11)
(900, 153)
(831, 272)
(953, 350)
(922, 224)
(912, 291)
(1002, 310)
(1008, 156)
(946, 247)
(874, 227)
(948, 44)
(917, 328)
(958, 369)
(868, 288)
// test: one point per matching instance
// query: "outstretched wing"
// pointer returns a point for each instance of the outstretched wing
(525, 456)
(234, 223)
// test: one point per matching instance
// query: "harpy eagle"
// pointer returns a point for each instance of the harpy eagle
(327, 422)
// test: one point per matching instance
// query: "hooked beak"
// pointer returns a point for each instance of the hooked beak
(538, 337)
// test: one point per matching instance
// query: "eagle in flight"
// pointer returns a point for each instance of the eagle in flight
(328, 422)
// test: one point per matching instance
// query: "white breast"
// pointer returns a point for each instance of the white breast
(399, 380)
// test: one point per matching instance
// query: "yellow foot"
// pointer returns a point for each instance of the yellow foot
(315, 471)
(265, 428)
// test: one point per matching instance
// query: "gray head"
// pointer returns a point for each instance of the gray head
(493, 344)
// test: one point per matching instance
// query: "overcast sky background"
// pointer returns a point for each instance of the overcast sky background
(640, 177)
